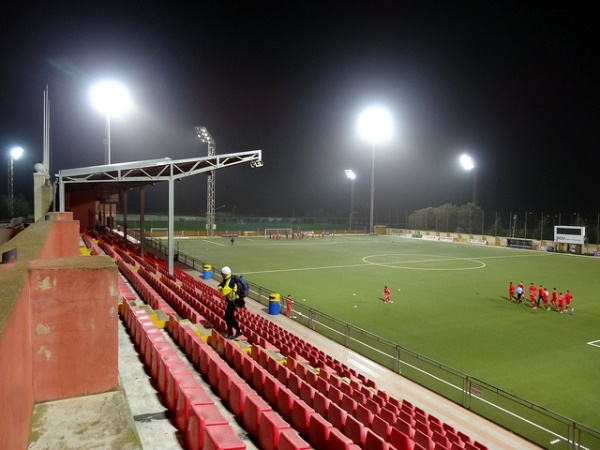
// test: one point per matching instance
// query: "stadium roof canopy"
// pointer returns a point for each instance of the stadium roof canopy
(112, 178)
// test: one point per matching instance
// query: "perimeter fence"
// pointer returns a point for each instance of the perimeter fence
(529, 420)
(466, 219)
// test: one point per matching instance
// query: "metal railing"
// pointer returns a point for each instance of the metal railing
(533, 422)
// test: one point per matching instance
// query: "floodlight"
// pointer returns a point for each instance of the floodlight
(256, 164)
(350, 174)
(111, 98)
(466, 162)
(375, 124)
(16, 152)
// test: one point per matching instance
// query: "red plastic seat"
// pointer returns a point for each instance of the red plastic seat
(248, 365)
(363, 415)
(355, 430)
(307, 393)
(271, 389)
(405, 428)
(238, 392)
(336, 416)
(301, 413)
(423, 440)
(423, 428)
(289, 439)
(168, 364)
(284, 403)
(188, 395)
(294, 383)
(400, 441)
(226, 377)
(271, 425)
(254, 408)
(321, 404)
(201, 417)
(381, 428)
(375, 442)
(389, 416)
(222, 437)
(349, 404)
(215, 366)
(174, 380)
(318, 431)
(339, 441)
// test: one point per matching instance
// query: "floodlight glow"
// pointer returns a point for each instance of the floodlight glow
(111, 98)
(350, 174)
(16, 153)
(467, 162)
(375, 124)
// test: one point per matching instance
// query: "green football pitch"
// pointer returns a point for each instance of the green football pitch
(449, 304)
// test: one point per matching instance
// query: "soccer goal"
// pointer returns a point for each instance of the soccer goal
(158, 232)
(278, 233)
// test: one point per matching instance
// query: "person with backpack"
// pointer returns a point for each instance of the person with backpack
(229, 290)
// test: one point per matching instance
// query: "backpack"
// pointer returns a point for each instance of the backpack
(243, 289)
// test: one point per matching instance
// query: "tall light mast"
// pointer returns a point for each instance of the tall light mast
(205, 136)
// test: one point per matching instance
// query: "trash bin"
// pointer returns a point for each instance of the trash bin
(274, 305)
(206, 272)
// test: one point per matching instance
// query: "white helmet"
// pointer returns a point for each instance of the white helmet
(225, 270)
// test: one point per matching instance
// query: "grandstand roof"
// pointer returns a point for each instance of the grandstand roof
(112, 178)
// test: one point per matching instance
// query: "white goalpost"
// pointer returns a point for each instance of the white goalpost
(275, 233)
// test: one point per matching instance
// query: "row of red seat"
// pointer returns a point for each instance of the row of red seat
(258, 417)
(196, 415)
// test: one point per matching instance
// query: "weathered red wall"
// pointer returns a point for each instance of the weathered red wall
(73, 326)
(16, 389)
(58, 323)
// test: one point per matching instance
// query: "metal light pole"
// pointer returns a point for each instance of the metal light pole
(15, 153)
(375, 125)
(205, 136)
(351, 176)
(468, 163)
(111, 99)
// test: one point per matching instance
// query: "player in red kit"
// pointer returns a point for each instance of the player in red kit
(554, 300)
(532, 292)
(561, 303)
(568, 298)
(387, 293)
(545, 296)
(511, 292)
(288, 305)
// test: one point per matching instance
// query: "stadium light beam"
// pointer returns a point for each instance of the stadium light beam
(351, 175)
(374, 125)
(468, 163)
(15, 153)
(112, 99)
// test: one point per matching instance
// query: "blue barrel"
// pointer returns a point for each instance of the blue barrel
(207, 272)
(274, 304)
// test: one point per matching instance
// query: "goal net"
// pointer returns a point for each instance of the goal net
(278, 233)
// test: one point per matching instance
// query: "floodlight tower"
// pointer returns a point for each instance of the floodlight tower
(205, 136)
(374, 125)
(15, 153)
(351, 176)
(468, 163)
(112, 99)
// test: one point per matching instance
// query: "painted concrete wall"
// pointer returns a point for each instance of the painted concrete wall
(58, 323)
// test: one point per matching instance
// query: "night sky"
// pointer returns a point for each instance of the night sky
(515, 84)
